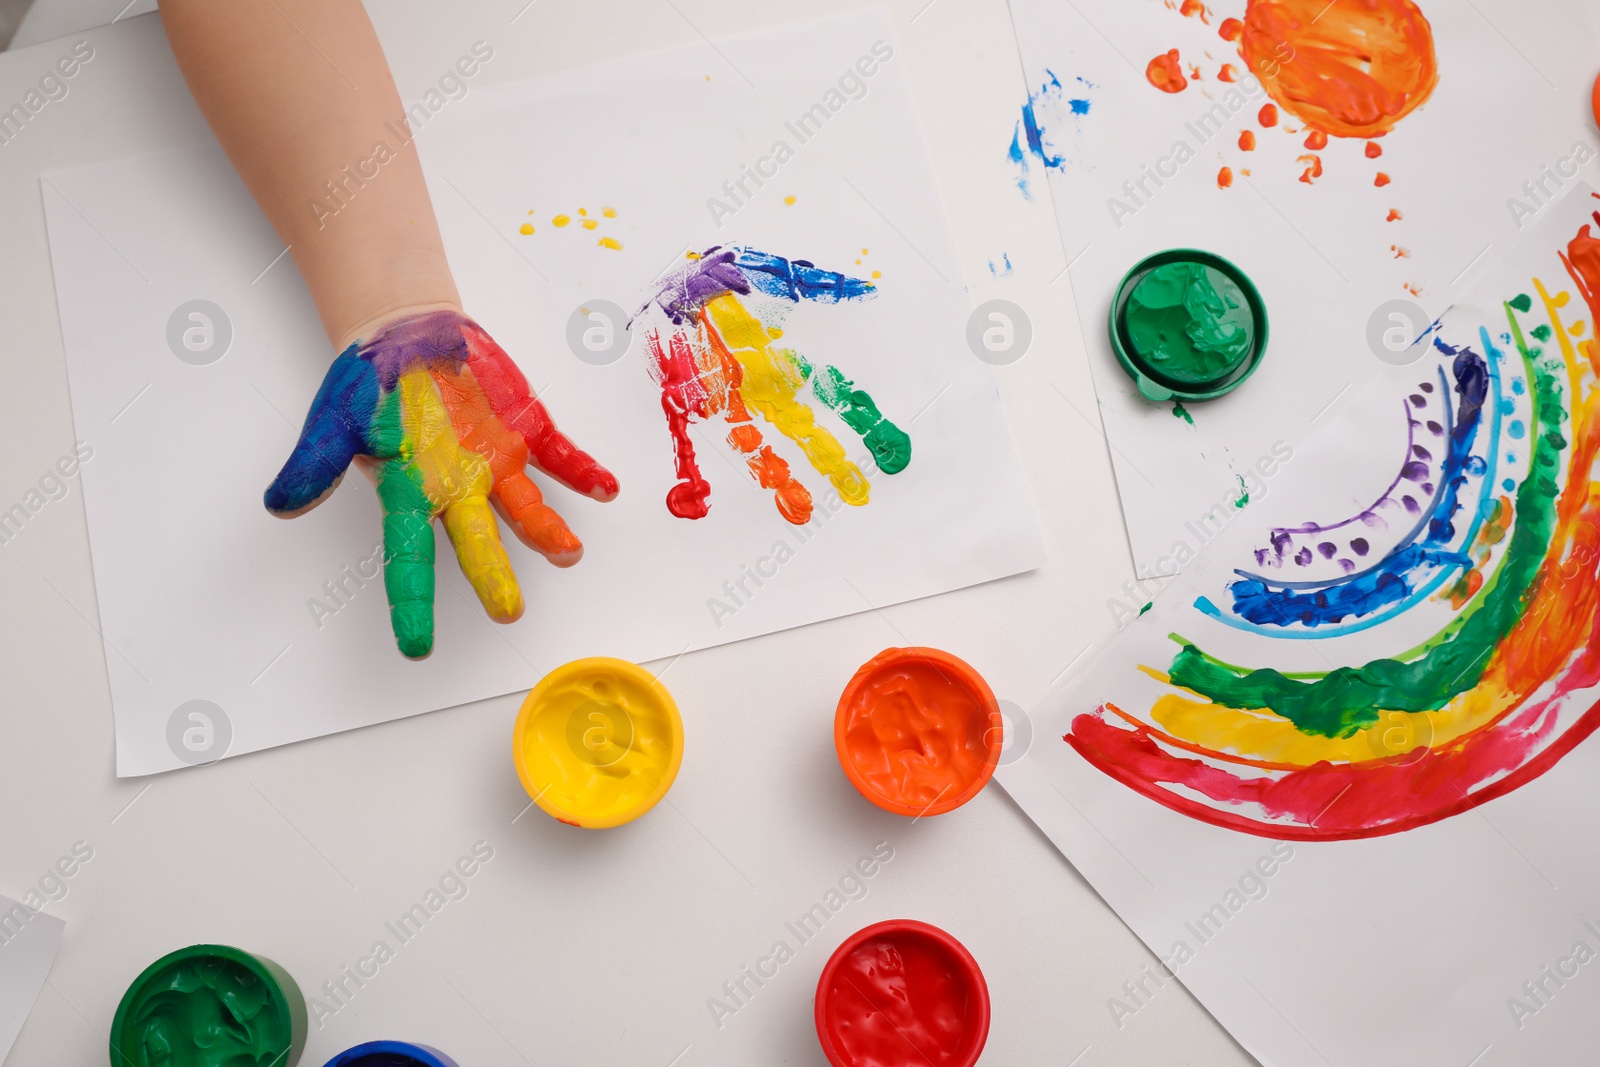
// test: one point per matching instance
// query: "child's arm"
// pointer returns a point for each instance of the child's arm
(296, 91)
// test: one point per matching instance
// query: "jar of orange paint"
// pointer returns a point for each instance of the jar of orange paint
(918, 731)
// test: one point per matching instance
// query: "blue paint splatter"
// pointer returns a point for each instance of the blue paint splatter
(1508, 485)
(1050, 127)
(1517, 430)
(1003, 268)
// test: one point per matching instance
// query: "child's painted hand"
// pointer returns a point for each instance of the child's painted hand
(717, 357)
(444, 422)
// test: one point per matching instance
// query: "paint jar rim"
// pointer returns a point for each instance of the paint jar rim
(953, 669)
(424, 1055)
(283, 993)
(523, 737)
(1154, 385)
(973, 974)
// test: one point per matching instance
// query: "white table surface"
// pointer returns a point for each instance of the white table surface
(570, 947)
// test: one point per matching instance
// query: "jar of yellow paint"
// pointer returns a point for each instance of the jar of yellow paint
(598, 742)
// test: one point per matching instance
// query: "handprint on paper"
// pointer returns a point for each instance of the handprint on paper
(718, 356)
(444, 421)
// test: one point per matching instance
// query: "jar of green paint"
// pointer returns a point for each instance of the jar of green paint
(209, 1006)
(1187, 325)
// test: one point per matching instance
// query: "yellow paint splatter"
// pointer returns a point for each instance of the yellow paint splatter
(609, 212)
(611, 243)
(584, 212)
(877, 274)
(560, 220)
(527, 228)
(530, 211)
(770, 385)
(590, 224)
(863, 251)
(789, 199)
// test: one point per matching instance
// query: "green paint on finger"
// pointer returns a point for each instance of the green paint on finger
(408, 547)
(890, 445)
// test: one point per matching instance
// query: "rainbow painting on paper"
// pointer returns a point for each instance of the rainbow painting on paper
(1486, 529)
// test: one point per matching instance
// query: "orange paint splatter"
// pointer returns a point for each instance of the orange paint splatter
(1247, 140)
(1400, 253)
(1353, 69)
(1166, 73)
(1313, 168)
(1194, 8)
(1374, 149)
(1394, 216)
(1230, 29)
(1413, 288)
(1316, 140)
(1227, 73)
(1245, 171)
(1224, 178)
(1381, 180)
(1194, 73)
(1268, 115)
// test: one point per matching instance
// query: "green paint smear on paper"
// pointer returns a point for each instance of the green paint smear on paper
(206, 1012)
(1244, 494)
(1349, 698)
(1182, 412)
(1522, 302)
(1190, 321)
(1541, 331)
(890, 445)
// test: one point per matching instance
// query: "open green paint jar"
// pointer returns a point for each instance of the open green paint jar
(209, 1006)
(1187, 325)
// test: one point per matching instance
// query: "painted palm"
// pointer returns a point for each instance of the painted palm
(717, 356)
(1493, 521)
(447, 423)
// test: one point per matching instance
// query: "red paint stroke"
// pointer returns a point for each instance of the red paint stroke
(1224, 178)
(1268, 115)
(682, 395)
(1166, 73)
(1374, 149)
(1352, 69)
(1247, 140)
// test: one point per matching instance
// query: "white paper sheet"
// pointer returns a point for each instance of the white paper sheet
(1414, 912)
(1511, 107)
(205, 597)
(29, 941)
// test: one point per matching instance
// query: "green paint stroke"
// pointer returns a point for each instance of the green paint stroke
(1190, 321)
(1179, 411)
(890, 445)
(207, 1013)
(1244, 494)
(1349, 698)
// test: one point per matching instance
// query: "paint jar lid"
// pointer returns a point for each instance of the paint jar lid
(941, 984)
(391, 1054)
(598, 742)
(274, 1030)
(945, 694)
(1187, 325)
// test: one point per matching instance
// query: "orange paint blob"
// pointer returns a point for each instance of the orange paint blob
(1230, 29)
(1352, 69)
(1313, 168)
(1193, 9)
(1268, 115)
(1412, 288)
(1381, 180)
(1400, 253)
(1227, 73)
(1224, 178)
(1316, 140)
(1394, 216)
(918, 732)
(1247, 140)
(1166, 73)
(1374, 149)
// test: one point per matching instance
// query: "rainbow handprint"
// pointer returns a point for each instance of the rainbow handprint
(445, 422)
(717, 356)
